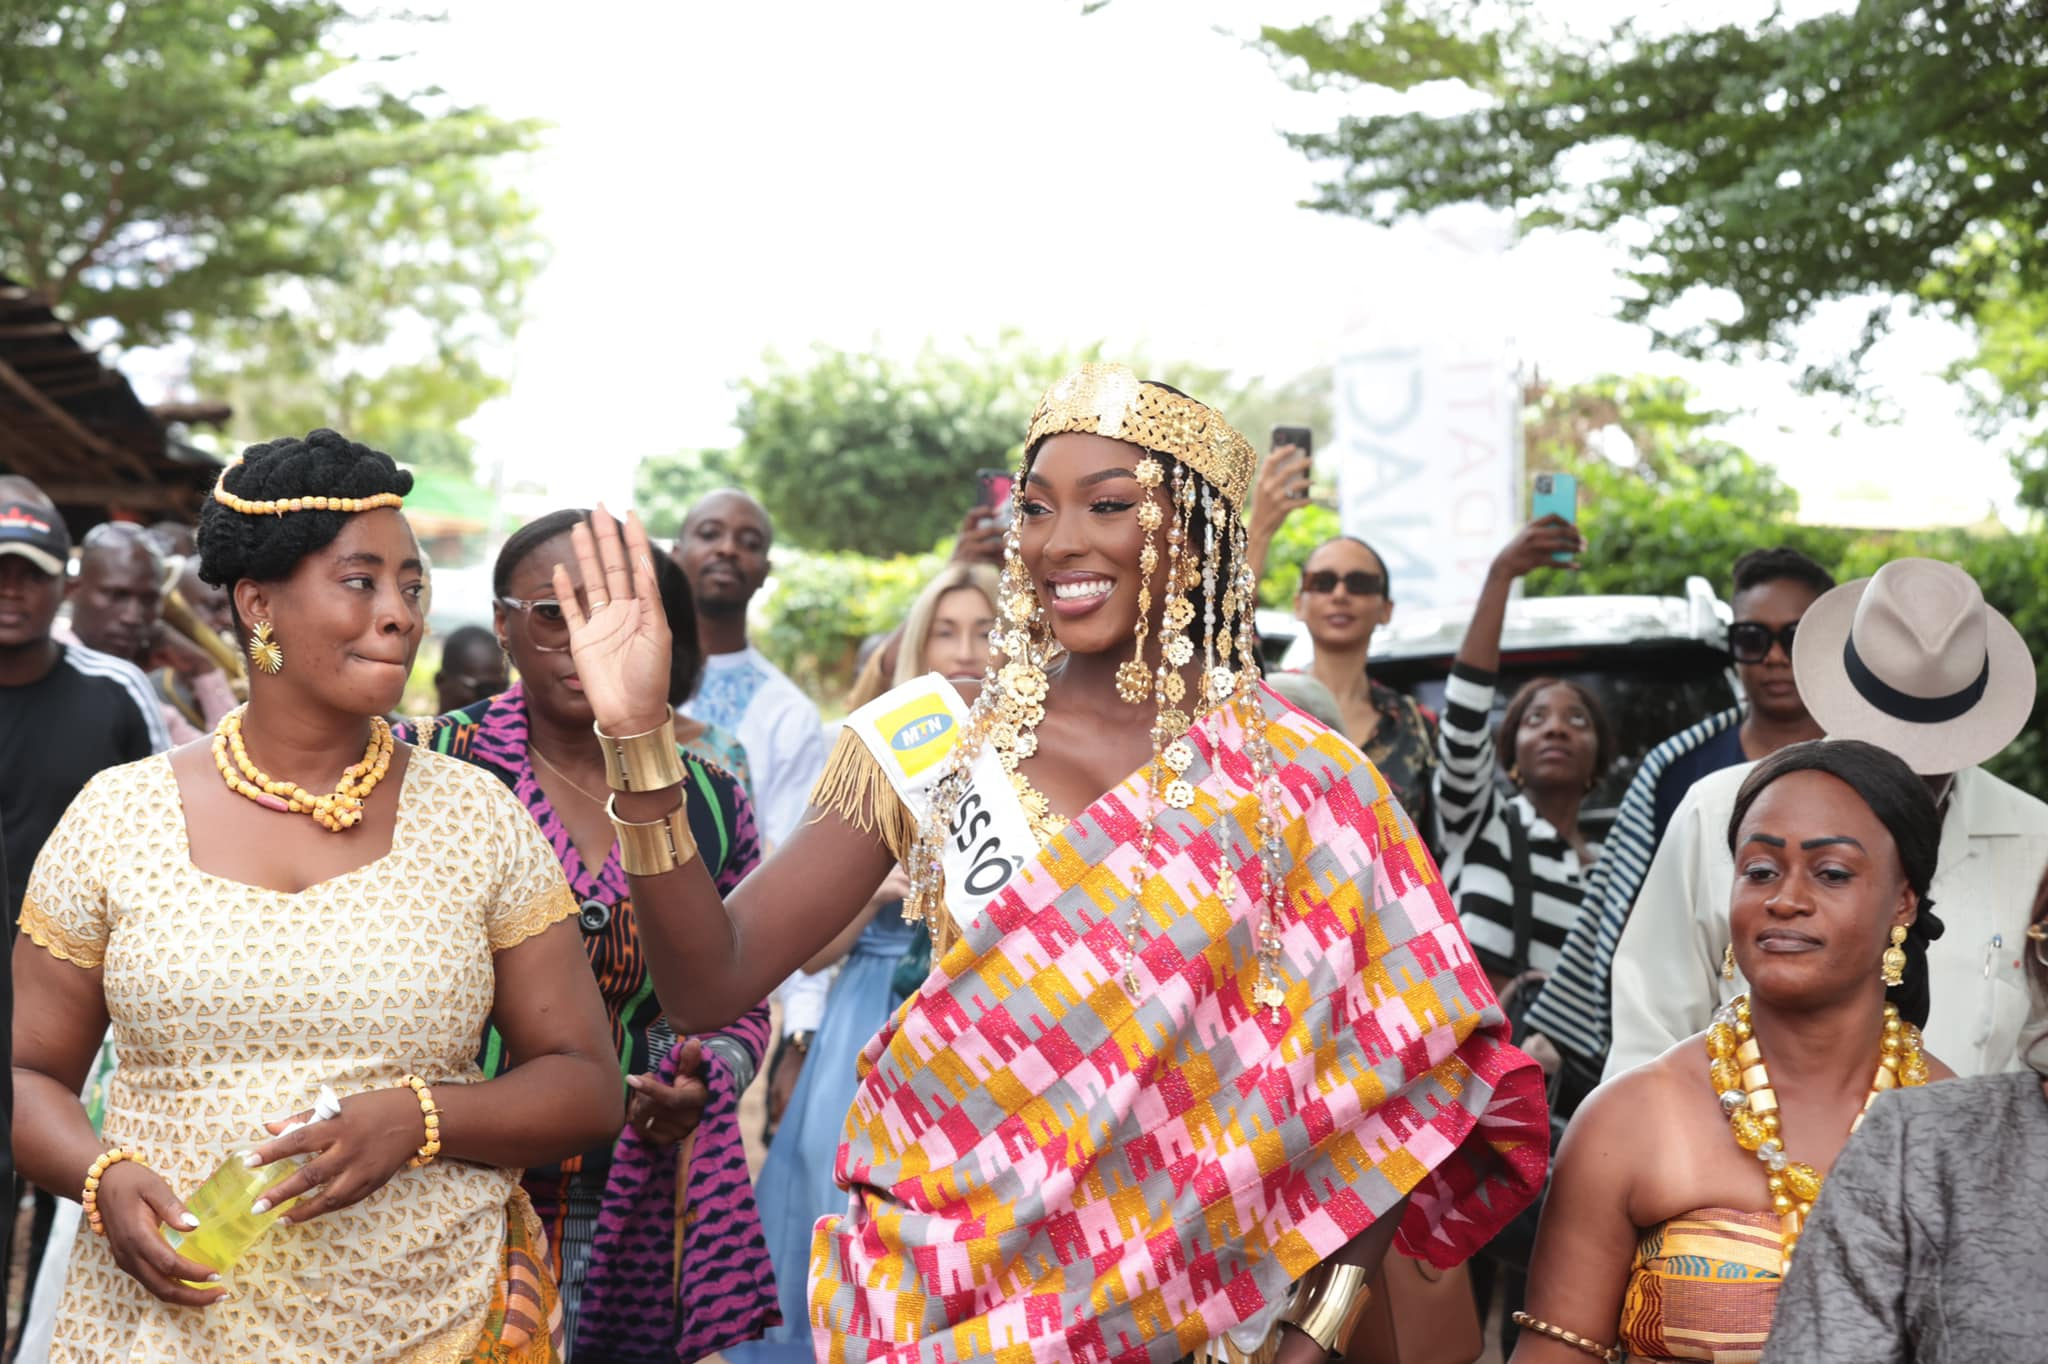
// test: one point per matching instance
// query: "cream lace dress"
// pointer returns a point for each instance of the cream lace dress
(230, 1005)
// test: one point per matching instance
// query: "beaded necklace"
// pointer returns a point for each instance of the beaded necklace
(1736, 1070)
(334, 811)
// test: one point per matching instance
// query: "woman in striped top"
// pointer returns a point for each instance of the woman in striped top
(1517, 866)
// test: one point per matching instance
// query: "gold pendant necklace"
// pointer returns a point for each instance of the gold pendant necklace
(1736, 1070)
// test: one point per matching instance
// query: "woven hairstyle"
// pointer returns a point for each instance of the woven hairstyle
(1605, 745)
(233, 546)
(1902, 803)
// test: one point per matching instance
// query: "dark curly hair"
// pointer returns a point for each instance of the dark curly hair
(234, 546)
(1906, 808)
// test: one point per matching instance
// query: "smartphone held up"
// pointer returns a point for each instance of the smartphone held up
(1553, 494)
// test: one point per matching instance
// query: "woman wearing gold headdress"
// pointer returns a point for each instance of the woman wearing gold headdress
(1201, 1025)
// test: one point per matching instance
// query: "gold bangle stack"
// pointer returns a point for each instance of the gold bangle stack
(430, 1112)
(642, 762)
(90, 1199)
(656, 848)
(1327, 1304)
(1571, 1338)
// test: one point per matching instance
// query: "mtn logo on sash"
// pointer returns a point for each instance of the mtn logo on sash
(920, 733)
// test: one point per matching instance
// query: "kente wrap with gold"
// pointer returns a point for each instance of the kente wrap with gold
(1043, 1166)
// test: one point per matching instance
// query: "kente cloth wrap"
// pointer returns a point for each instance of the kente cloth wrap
(1044, 1167)
(1703, 1288)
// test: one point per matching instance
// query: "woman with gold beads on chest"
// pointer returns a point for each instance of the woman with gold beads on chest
(1202, 1037)
(304, 905)
(1683, 1185)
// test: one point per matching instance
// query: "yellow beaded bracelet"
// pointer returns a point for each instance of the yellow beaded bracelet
(90, 1199)
(432, 1115)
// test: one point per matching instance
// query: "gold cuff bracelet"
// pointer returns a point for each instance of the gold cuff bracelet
(656, 848)
(641, 762)
(1328, 1302)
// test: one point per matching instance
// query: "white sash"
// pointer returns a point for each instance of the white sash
(911, 732)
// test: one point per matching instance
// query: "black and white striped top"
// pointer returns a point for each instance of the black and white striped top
(1477, 851)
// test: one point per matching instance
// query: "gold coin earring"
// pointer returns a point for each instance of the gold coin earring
(1894, 962)
(1134, 678)
(264, 650)
(1728, 962)
(1175, 648)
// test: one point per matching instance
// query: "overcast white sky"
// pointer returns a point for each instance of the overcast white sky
(726, 178)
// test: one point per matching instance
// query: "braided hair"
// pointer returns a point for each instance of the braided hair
(1903, 804)
(234, 546)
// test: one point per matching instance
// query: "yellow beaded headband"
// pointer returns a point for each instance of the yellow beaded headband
(1110, 400)
(294, 504)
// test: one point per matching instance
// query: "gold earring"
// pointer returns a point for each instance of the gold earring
(1728, 962)
(1515, 773)
(1134, 679)
(1894, 969)
(264, 651)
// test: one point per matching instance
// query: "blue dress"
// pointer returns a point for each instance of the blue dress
(796, 1187)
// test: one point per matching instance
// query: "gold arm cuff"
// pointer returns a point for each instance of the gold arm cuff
(641, 762)
(1328, 1303)
(656, 848)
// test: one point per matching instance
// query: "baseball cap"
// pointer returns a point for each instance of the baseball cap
(36, 533)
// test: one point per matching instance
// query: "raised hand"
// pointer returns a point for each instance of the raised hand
(1536, 543)
(618, 633)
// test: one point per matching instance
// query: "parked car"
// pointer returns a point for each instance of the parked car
(1658, 664)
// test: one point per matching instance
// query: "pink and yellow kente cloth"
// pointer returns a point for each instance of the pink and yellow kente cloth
(1043, 1167)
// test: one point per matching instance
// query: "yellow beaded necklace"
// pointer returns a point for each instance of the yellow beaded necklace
(1736, 1069)
(341, 809)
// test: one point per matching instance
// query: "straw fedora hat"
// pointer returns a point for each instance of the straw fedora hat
(1912, 660)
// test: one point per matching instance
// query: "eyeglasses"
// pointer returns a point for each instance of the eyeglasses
(544, 621)
(1750, 642)
(1357, 582)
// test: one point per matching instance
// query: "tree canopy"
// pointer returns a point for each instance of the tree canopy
(1894, 152)
(226, 172)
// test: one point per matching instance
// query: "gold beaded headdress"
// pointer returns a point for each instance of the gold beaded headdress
(282, 505)
(1110, 400)
(1213, 469)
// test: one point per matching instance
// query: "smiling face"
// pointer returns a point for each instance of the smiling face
(1557, 743)
(957, 645)
(1081, 539)
(537, 638)
(348, 617)
(1818, 886)
(1340, 618)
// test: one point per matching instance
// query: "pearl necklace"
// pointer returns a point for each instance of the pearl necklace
(1736, 1069)
(341, 809)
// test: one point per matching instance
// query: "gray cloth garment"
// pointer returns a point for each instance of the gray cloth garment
(1928, 1241)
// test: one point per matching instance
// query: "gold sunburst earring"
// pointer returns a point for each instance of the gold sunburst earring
(1134, 679)
(1894, 962)
(264, 650)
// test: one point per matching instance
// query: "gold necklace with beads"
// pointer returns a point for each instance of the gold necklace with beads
(1736, 1069)
(335, 811)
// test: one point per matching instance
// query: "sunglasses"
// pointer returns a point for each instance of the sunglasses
(544, 619)
(1750, 642)
(1358, 582)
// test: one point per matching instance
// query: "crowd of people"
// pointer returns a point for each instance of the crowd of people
(1104, 997)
